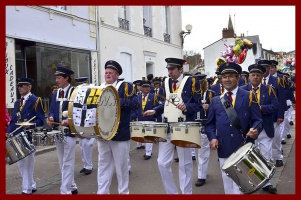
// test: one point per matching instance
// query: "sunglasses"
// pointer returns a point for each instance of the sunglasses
(22, 85)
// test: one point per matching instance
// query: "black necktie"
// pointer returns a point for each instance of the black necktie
(230, 96)
(62, 94)
(255, 90)
(156, 91)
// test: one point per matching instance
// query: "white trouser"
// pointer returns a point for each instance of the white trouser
(26, 168)
(129, 158)
(148, 149)
(66, 156)
(139, 144)
(113, 154)
(230, 187)
(277, 146)
(86, 145)
(202, 155)
(165, 158)
(285, 126)
(192, 150)
(264, 144)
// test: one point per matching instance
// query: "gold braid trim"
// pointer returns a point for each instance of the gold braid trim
(155, 100)
(279, 82)
(37, 102)
(271, 89)
(210, 96)
(126, 90)
(193, 87)
(251, 98)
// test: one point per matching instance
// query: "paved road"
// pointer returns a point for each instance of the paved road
(145, 177)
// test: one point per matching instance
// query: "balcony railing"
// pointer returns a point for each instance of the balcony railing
(166, 37)
(148, 31)
(123, 23)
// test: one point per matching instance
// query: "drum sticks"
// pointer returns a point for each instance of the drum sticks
(163, 97)
(20, 127)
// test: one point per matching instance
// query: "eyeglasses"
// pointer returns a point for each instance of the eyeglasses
(22, 85)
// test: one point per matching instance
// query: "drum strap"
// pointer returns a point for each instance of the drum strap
(232, 115)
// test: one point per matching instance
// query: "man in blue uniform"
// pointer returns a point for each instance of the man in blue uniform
(86, 144)
(203, 153)
(278, 117)
(223, 136)
(267, 100)
(26, 108)
(148, 102)
(65, 141)
(218, 87)
(182, 91)
(114, 153)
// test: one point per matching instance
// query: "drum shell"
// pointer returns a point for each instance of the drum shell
(17, 148)
(137, 131)
(250, 171)
(155, 132)
(49, 138)
(185, 134)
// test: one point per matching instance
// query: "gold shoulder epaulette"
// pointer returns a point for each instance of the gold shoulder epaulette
(271, 90)
(37, 102)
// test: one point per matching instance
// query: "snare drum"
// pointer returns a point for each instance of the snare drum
(45, 138)
(17, 148)
(136, 129)
(248, 168)
(94, 111)
(185, 134)
(155, 132)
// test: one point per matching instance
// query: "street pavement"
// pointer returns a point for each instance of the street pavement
(144, 177)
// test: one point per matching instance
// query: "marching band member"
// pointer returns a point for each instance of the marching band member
(65, 146)
(267, 100)
(86, 144)
(24, 109)
(181, 90)
(203, 153)
(218, 87)
(278, 117)
(148, 102)
(114, 153)
(224, 137)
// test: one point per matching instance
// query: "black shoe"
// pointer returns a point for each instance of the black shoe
(200, 182)
(288, 136)
(139, 147)
(129, 172)
(33, 190)
(279, 163)
(177, 159)
(88, 171)
(291, 123)
(74, 192)
(147, 157)
(283, 142)
(142, 147)
(83, 170)
(23, 193)
(193, 157)
(270, 189)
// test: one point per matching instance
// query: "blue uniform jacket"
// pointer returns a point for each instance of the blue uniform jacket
(150, 104)
(54, 109)
(216, 88)
(32, 107)
(281, 96)
(127, 105)
(218, 124)
(190, 99)
(269, 105)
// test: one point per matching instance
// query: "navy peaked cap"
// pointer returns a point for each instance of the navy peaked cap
(63, 71)
(199, 76)
(229, 67)
(274, 62)
(24, 80)
(114, 65)
(174, 62)
(257, 68)
(144, 84)
(264, 63)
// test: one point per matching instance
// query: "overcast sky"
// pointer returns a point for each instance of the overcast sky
(275, 25)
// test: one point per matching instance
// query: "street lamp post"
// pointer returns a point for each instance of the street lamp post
(187, 32)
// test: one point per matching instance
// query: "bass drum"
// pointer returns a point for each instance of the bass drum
(94, 111)
(248, 168)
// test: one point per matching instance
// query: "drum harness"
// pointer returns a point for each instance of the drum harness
(232, 115)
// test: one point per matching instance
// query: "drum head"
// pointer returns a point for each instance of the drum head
(236, 156)
(108, 113)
